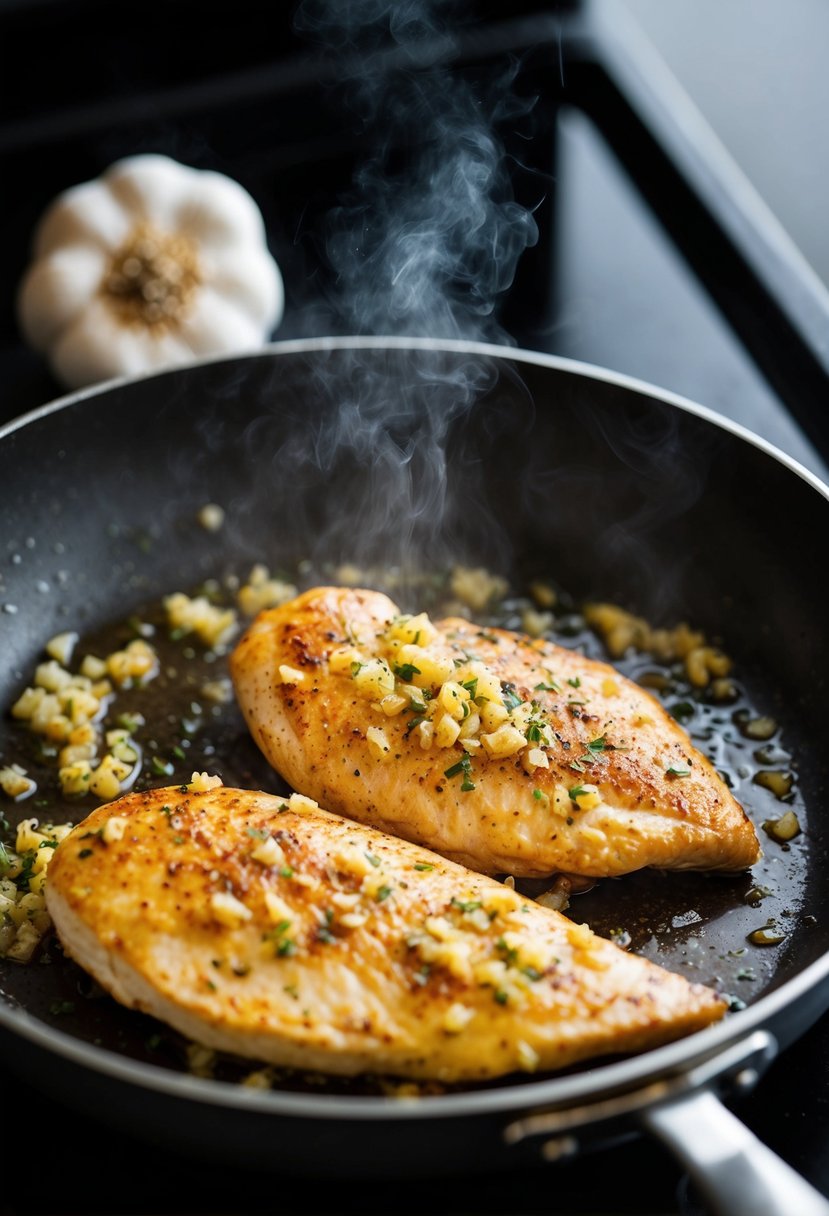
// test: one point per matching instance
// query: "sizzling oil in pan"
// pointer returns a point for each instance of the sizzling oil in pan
(728, 932)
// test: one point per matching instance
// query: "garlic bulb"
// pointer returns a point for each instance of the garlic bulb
(151, 265)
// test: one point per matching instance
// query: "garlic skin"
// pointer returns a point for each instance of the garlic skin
(151, 265)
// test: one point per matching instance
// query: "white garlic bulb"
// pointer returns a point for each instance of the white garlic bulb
(151, 265)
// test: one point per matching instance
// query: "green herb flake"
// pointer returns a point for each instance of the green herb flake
(575, 682)
(372, 860)
(673, 771)
(286, 871)
(383, 893)
(406, 672)
(466, 905)
(423, 865)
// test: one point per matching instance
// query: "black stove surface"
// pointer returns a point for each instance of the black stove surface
(612, 288)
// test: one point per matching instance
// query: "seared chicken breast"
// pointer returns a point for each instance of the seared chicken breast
(272, 929)
(508, 754)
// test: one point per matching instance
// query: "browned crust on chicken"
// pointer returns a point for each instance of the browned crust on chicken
(662, 803)
(339, 948)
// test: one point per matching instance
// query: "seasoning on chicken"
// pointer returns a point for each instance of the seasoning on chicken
(508, 754)
(275, 930)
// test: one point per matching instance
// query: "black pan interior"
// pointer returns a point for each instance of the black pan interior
(415, 459)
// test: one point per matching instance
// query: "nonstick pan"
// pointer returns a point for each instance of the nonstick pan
(407, 457)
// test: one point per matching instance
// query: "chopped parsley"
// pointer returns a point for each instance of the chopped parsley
(510, 697)
(464, 765)
(466, 905)
(673, 771)
(423, 865)
(406, 672)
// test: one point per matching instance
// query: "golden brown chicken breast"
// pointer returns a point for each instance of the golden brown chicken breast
(275, 930)
(507, 754)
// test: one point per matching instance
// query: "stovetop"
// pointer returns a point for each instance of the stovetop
(728, 319)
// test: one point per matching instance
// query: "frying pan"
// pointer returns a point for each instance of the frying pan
(413, 455)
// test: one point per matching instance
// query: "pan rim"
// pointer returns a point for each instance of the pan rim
(591, 371)
(524, 1094)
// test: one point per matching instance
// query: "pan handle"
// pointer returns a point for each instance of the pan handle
(733, 1170)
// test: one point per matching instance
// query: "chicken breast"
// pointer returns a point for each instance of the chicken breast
(508, 754)
(274, 930)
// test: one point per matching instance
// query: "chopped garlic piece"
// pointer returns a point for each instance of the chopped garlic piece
(114, 829)
(15, 783)
(200, 783)
(261, 591)
(290, 675)
(197, 615)
(135, 664)
(457, 1018)
(229, 910)
(588, 797)
(446, 731)
(378, 742)
(301, 805)
(93, 668)
(476, 587)
(505, 741)
(278, 909)
(60, 647)
(269, 852)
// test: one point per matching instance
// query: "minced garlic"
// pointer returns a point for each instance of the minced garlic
(269, 852)
(459, 701)
(457, 1018)
(621, 631)
(15, 782)
(200, 783)
(261, 591)
(228, 910)
(197, 615)
(477, 587)
(24, 920)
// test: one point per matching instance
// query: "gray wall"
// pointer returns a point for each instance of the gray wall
(759, 72)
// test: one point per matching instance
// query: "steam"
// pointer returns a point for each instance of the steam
(428, 239)
(424, 244)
